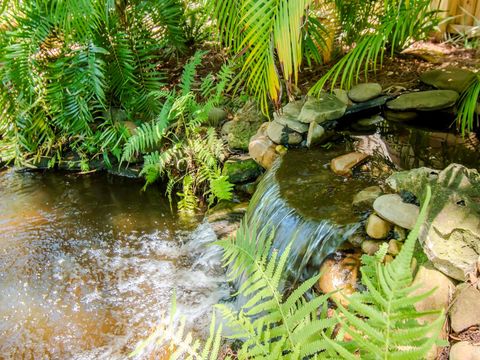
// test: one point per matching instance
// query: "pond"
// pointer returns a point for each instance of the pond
(89, 263)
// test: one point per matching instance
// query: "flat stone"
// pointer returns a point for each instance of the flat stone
(342, 95)
(464, 351)
(364, 199)
(377, 228)
(431, 100)
(450, 78)
(371, 121)
(325, 107)
(343, 165)
(316, 134)
(392, 208)
(280, 134)
(365, 92)
(293, 109)
(290, 122)
(465, 311)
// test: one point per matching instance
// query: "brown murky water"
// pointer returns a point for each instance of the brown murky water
(88, 264)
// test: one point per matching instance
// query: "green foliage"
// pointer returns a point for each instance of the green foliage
(258, 32)
(468, 108)
(67, 65)
(175, 145)
(398, 23)
(382, 320)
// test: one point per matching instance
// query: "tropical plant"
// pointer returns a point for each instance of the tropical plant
(257, 32)
(396, 24)
(468, 107)
(68, 66)
(177, 147)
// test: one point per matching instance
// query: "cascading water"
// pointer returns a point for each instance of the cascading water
(307, 205)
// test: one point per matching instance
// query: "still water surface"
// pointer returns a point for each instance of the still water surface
(88, 264)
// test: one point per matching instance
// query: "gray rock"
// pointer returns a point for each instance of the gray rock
(450, 78)
(365, 92)
(291, 122)
(464, 351)
(325, 107)
(245, 124)
(401, 116)
(342, 95)
(241, 169)
(364, 199)
(371, 121)
(392, 208)
(281, 135)
(424, 100)
(293, 109)
(465, 311)
(316, 134)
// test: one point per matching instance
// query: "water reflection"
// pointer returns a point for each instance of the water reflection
(87, 265)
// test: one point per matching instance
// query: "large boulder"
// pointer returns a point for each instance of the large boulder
(431, 100)
(392, 208)
(450, 78)
(325, 107)
(451, 234)
(364, 92)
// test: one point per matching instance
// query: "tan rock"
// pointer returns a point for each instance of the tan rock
(392, 208)
(370, 247)
(465, 311)
(464, 351)
(262, 150)
(343, 165)
(340, 274)
(394, 247)
(377, 228)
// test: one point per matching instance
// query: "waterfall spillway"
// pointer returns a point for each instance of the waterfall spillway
(305, 205)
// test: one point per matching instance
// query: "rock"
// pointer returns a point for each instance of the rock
(431, 100)
(428, 279)
(465, 311)
(245, 124)
(450, 78)
(293, 109)
(365, 92)
(392, 208)
(281, 135)
(248, 188)
(464, 351)
(241, 169)
(364, 199)
(225, 218)
(371, 121)
(281, 150)
(413, 180)
(340, 273)
(377, 228)
(316, 134)
(399, 233)
(394, 247)
(325, 107)
(400, 116)
(342, 95)
(262, 150)
(356, 239)
(291, 123)
(216, 116)
(343, 165)
(370, 247)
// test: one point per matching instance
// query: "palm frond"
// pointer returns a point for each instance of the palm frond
(468, 108)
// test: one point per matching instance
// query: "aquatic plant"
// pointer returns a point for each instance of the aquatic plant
(381, 321)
